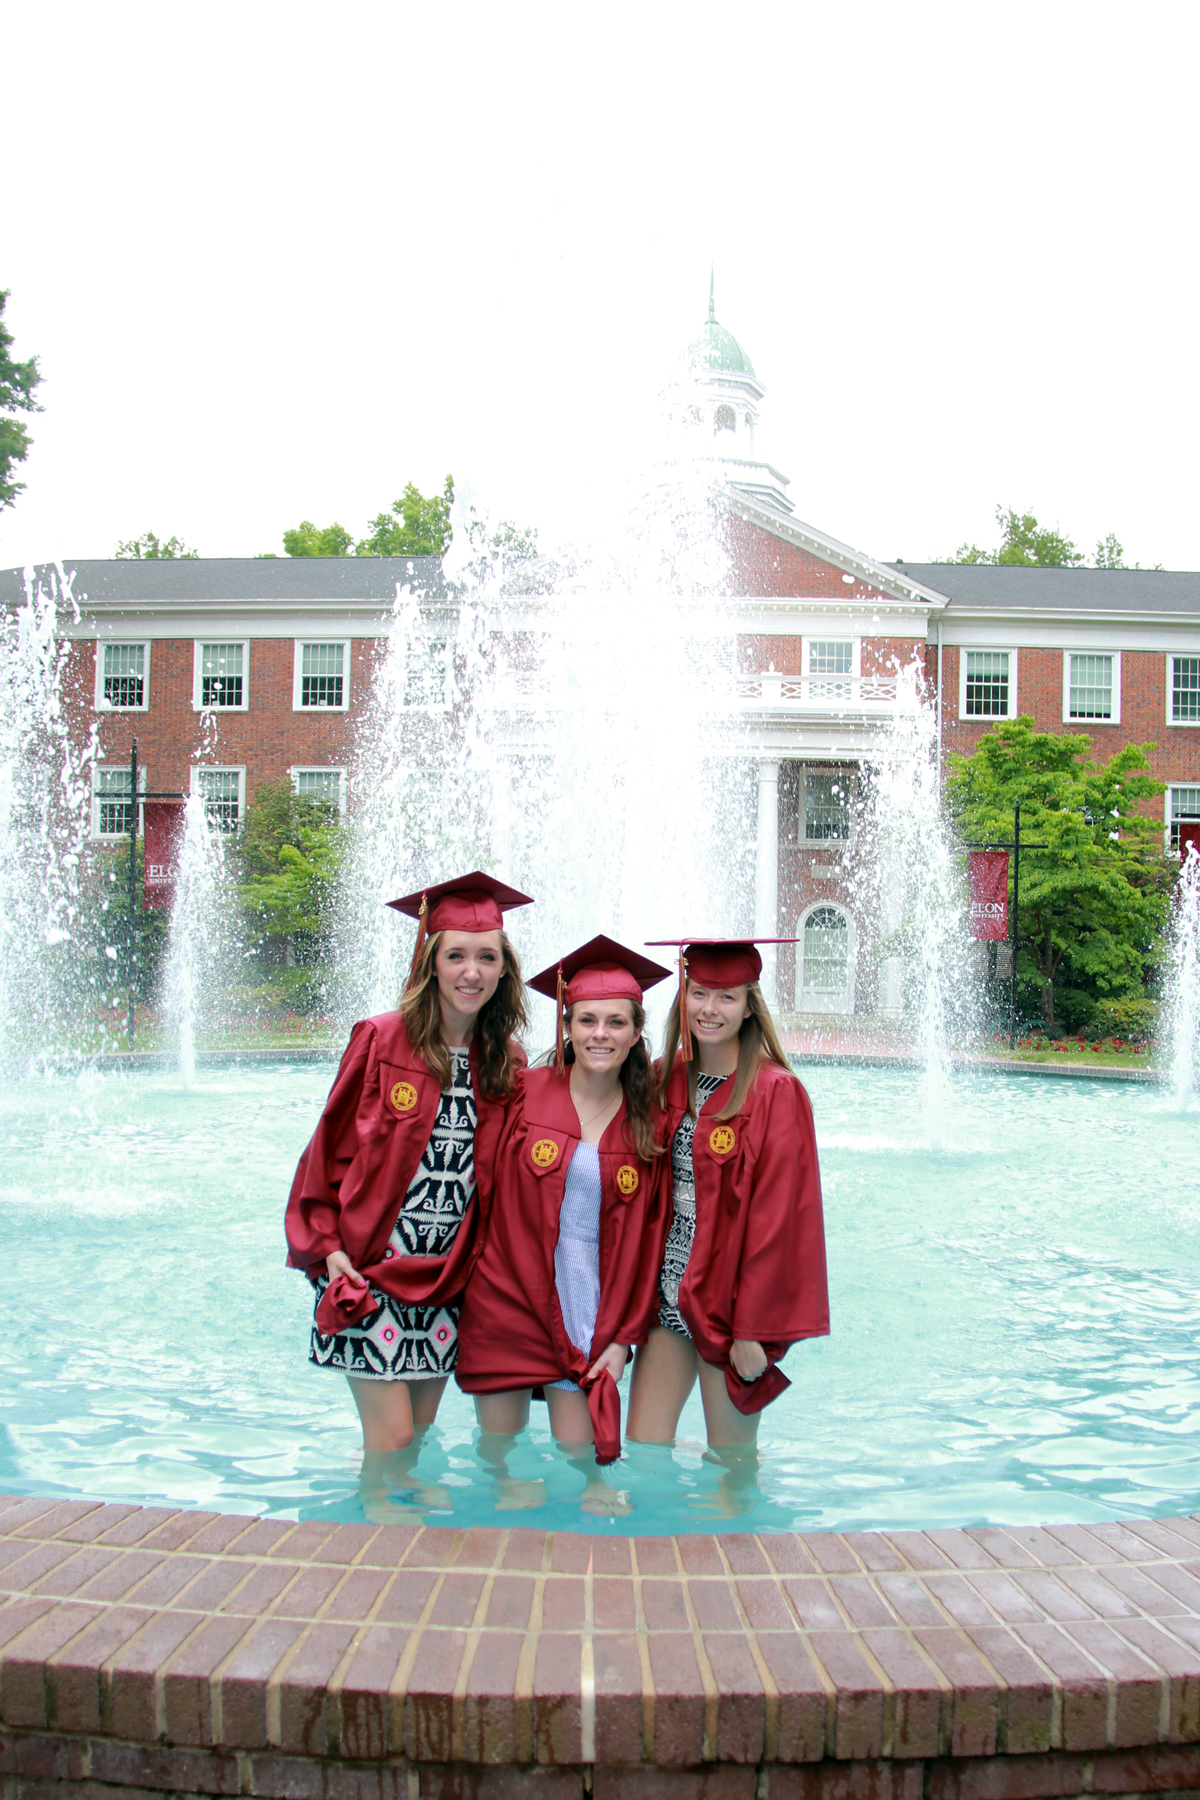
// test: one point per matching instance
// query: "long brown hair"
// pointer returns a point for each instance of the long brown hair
(639, 1081)
(496, 1024)
(758, 1042)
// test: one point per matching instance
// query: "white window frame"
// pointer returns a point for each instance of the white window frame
(823, 844)
(238, 769)
(1008, 650)
(119, 837)
(103, 644)
(1184, 724)
(197, 675)
(297, 674)
(321, 768)
(430, 706)
(831, 637)
(1169, 812)
(1093, 650)
(836, 1002)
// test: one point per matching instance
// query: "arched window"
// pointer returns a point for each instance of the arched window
(724, 419)
(826, 947)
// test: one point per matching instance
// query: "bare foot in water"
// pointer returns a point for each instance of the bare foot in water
(519, 1496)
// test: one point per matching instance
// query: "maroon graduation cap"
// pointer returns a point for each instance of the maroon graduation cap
(714, 962)
(475, 902)
(601, 969)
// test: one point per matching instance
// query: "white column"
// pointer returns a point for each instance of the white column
(766, 870)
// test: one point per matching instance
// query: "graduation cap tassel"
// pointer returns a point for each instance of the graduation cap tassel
(685, 1032)
(560, 1046)
(421, 936)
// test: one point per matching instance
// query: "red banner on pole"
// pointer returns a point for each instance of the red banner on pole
(1189, 835)
(163, 839)
(987, 880)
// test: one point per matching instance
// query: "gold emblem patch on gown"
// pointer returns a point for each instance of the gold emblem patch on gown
(721, 1139)
(544, 1152)
(403, 1096)
(627, 1178)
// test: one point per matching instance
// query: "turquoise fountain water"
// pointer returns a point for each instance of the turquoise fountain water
(1016, 1320)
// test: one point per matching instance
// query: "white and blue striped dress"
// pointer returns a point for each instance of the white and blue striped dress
(577, 1253)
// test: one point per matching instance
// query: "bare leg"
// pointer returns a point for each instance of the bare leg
(723, 1422)
(664, 1374)
(385, 1412)
(388, 1410)
(501, 1417)
(571, 1428)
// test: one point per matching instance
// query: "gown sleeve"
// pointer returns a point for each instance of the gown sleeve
(782, 1293)
(312, 1221)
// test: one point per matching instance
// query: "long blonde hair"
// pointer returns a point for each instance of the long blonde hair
(758, 1042)
(495, 1026)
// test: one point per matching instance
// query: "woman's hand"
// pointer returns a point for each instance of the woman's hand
(612, 1359)
(339, 1264)
(747, 1358)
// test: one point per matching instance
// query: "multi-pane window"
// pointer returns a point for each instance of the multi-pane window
(1090, 686)
(1185, 690)
(1185, 806)
(826, 950)
(220, 789)
(323, 787)
(322, 674)
(114, 803)
(987, 684)
(826, 805)
(831, 658)
(425, 675)
(222, 673)
(123, 677)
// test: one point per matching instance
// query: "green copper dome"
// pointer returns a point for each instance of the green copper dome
(717, 348)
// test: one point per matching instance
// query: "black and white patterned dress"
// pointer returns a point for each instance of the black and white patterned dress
(683, 1221)
(417, 1343)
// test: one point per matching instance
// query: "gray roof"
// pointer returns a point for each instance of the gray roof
(1010, 588)
(116, 580)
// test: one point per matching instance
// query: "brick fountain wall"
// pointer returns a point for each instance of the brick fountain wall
(149, 1651)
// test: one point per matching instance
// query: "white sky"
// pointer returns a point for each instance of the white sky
(276, 260)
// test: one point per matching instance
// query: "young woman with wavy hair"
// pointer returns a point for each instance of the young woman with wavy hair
(742, 1272)
(563, 1287)
(383, 1213)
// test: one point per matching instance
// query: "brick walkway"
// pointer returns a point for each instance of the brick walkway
(192, 1652)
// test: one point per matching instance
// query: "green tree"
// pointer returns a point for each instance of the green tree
(1094, 900)
(307, 539)
(289, 855)
(149, 548)
(17, 383)
(417, 525)
(1024, 542)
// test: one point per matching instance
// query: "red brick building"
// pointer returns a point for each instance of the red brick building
(232, 672)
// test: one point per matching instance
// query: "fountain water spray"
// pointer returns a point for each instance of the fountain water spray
(198, 946)
(566, 724)
(1183, 984)
(45, 819)
(913, 884)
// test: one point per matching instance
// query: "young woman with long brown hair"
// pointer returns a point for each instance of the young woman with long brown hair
(563, 1289)
(382, 1215)
(742, 1273)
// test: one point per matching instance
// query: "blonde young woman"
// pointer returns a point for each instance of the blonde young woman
(743, 1271)
(382, 1215)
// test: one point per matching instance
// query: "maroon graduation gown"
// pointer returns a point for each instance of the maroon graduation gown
(511, 1332)
(757, 1266)
(351, 1181)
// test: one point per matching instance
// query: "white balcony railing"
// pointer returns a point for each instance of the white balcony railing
(820, 693)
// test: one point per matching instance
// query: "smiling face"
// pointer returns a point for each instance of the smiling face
(602, 1034)
(468, 966)
(716, 1015)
